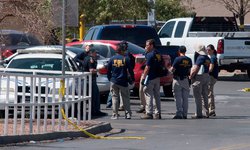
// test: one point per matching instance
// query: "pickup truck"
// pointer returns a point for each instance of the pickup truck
(233, 46)
(137, 34)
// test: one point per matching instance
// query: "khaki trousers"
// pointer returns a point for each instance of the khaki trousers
(181, 94)
(200, 93)
(124, 94)
(152, 94)
(211, 104)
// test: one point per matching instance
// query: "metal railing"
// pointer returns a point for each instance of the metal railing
(30, 101)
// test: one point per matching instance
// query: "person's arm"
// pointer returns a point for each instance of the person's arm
(194, 71)
(109, 67)
(130, 69)
(211, 66)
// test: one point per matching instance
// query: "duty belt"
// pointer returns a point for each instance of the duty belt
(180, 77)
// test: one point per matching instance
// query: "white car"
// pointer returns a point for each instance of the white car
(33, 60)
(45, 58)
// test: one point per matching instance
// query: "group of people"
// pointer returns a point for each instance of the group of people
(200, 76)
(120, 73)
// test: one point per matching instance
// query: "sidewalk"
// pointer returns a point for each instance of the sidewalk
(94, 127)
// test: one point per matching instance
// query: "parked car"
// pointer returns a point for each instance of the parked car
(31, 60)
(107, 49)
(11, 40)
(102, 81)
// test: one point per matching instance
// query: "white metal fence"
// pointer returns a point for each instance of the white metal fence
(30, 102)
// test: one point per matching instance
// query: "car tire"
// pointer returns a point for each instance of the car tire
(135, 92)
(168, 90)
(248, 73)
(2, 113)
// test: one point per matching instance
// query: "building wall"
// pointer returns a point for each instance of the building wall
(212, 8)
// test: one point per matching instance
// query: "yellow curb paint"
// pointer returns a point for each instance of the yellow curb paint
(99, 137)
(246, 89)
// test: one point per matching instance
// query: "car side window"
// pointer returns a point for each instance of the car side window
(89, 34)
(73, 65)
(102, 50)
(96, 31)
(180, 29)
(167, 30)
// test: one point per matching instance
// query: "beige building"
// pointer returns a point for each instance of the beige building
(212, 8)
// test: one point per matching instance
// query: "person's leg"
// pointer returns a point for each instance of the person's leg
(157, 98)
(149, 95)
(142, 98)
(109, 101)
(177, 91)
(95, 98)
(204, 92)
(211, 103)
(125, 98)
(196, 84)
(185, 95)
(114, 89)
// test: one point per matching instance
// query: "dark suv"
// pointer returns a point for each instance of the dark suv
(137, 34)
(11, 40)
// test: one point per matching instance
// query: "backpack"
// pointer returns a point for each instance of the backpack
(161, 70)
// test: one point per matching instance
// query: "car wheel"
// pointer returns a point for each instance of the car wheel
(248, 73)
(135, 92)
(103, 98)
(2, 112)
(168, 90)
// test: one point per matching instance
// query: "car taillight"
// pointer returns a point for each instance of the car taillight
(128, 26)
(220, 47)
(103, 71)
(6, 53)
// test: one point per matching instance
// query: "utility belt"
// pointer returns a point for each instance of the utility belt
(180, 77)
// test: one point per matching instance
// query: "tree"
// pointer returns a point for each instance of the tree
(103, 11)
(238, 7)
(35, 15)
(167, 9)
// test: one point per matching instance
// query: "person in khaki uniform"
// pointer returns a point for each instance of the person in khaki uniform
(200, 79)
(181, 70)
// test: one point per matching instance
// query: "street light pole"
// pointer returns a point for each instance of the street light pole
(63, 37)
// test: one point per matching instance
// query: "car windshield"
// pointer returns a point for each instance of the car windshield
(35, 63)
(130, 34)
(18, 39)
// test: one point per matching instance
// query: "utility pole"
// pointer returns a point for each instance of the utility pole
(151, 13)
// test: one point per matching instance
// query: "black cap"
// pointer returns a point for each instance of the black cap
(122, 46)
(182, 49)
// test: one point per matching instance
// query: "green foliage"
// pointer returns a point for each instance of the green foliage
(167, 9)
(103, 11)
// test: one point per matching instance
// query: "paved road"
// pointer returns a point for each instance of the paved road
(229, 130)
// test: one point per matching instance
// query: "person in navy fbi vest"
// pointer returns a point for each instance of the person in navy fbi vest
(120, 73)
(151, 82)
(181, 70)
(200, 79)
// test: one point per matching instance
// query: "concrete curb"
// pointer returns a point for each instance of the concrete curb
(100, 128)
